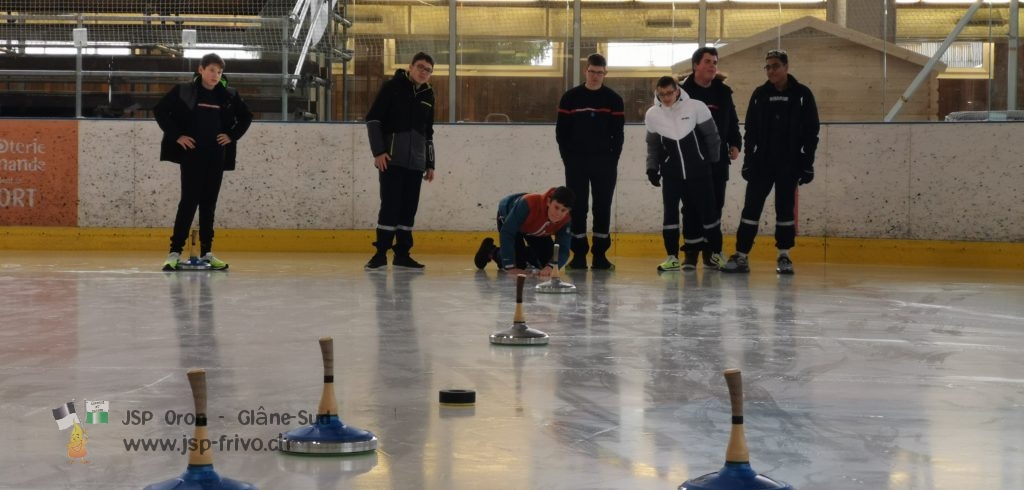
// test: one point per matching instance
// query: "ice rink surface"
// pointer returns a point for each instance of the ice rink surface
(856, 377)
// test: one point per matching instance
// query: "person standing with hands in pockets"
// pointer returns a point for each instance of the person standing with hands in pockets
(400, 126)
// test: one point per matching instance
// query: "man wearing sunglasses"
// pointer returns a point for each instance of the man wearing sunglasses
(781, 137)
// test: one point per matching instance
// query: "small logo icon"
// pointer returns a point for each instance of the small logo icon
(66, 417)
(96, 412)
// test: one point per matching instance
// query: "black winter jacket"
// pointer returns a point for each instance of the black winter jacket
(174, 115)
(802, 127)
(590, 123)
(718, 98)
(401, 123)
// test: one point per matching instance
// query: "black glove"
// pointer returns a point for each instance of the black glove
(652, 175)
(806, 176)
(746, 172)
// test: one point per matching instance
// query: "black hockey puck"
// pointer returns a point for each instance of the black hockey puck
(457, 397)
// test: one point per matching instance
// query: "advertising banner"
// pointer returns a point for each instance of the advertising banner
(38, 173)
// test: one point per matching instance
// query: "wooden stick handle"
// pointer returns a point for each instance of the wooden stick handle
(328, 402)
(736, 451)
(519, 317)
(327, 351)
(201, 452)
(734, 380)
(197, 380)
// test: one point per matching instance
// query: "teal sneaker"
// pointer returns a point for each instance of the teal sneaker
(215, 263)
(670, 264)
(171, 263)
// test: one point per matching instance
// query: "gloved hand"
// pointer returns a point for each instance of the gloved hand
(806, 176)
(652, 175)
(746, 172)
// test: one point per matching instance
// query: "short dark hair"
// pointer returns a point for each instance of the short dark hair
(422, 56)
(564, 195)
(211, 59)
(597, 59)
(778, 53)
(699, 55)
(667, 81)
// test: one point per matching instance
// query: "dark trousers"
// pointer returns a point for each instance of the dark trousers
(719, 179)
(753, 203)
(399, 200)
(537, 251)
(584, 174)
(201, 175)
(701, 222)
(692, 221)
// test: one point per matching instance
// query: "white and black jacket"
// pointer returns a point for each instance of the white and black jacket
(682, 140)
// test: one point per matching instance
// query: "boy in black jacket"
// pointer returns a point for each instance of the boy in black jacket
(590, 133)
(202, 121)
(707, 85)
(782, 136)
(400, 126)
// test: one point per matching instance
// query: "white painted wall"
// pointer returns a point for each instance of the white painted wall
(939, 181)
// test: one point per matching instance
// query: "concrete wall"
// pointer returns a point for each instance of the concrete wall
(939, 181)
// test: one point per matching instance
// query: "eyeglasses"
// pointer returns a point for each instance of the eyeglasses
(599, 73)
(662, 95)
(424, 68)
(773, 66)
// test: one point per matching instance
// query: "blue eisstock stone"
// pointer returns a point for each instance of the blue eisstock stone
(734, 476)
(201, 477)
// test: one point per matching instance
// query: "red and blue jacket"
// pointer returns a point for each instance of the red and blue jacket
(527, 214)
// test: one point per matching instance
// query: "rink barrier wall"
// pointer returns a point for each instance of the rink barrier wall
(929, 253)
(890, 186)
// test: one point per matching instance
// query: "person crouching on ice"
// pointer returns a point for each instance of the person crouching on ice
(529, 225)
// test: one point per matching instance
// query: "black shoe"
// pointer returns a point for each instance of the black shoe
(406, 262)
(578, 263)
(737, 263)
(378, 261)
(601, 263)
(483, 254)
(689, 261)
(784, 265)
